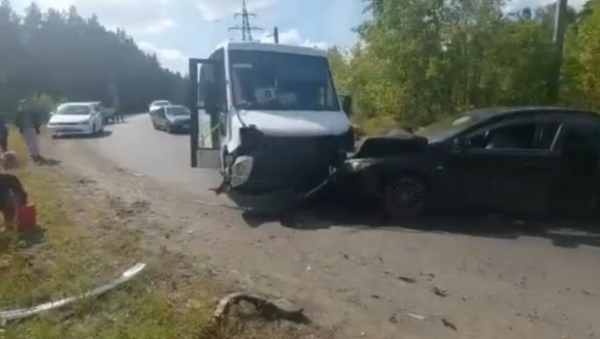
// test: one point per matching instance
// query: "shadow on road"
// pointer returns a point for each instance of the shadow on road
(103, 134)
(332, 212)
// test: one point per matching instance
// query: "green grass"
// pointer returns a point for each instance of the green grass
(71, 258)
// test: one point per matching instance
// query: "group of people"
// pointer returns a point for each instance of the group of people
(29, 125)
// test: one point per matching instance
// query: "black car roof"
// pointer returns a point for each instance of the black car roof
(488, 113)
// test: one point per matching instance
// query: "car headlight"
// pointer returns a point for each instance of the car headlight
(357, 165)
(241, 170)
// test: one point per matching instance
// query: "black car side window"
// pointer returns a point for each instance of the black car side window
(514, 136)
(546, 135)
(580, 137)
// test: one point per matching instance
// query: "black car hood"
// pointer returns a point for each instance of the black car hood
(392, 143)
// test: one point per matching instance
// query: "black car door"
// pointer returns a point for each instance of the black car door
(494, 172)
(575, 192)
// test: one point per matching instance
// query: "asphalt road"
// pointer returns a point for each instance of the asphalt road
(491, 277)
(136, 147)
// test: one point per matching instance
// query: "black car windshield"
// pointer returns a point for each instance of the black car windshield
(73, 110)
(178, 111)
(281, 81)
(447, 128)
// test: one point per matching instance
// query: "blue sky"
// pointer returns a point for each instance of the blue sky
(177, 29)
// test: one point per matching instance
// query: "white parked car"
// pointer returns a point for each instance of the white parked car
(155, 105)
(76, 118)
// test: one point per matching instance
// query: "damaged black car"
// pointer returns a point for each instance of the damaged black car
(533, 160)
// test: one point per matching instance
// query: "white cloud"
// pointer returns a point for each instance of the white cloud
(159, 26)
(214, 10)
(133, 15)
(293, 37)
(172, 59)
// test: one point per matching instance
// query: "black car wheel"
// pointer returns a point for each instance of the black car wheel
(154, 125)
(404, 197)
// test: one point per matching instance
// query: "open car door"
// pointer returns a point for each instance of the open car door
(205, 143)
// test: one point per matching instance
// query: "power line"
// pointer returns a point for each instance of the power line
(246, 28)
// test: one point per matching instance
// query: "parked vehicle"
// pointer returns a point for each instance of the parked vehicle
(171, 118)
(76, 119)
(268, 117)
(534, 160)
(158, 104)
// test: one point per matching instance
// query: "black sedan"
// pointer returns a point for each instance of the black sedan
(534, 160)
(171, 118)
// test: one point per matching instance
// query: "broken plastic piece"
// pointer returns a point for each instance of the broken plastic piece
(23, 313)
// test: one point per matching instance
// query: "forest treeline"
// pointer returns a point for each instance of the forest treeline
(59, 55)
(418, 60)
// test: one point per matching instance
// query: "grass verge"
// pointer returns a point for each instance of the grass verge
(82, 246)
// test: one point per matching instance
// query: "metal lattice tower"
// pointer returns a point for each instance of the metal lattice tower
(246, 28)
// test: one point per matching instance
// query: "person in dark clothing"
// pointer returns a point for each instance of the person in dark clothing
(29, 125)
(3, 135)
(11, 191)
(118, 116)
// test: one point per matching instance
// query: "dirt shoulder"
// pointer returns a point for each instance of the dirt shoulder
(474, 279)
(89, 237)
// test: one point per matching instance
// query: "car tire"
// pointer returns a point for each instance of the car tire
(154, 125)
(405, 197)
(169, 129)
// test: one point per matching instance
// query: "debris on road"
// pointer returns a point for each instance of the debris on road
(449, 324)
(278, 309)
(416, 316)
(6, 316)
(440, 292)
(408, 280)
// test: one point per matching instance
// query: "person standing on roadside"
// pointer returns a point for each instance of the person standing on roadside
(29, 126)
(118, 113)
(3, 135)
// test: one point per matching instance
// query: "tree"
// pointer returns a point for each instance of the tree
(66, 56)
(419, 60)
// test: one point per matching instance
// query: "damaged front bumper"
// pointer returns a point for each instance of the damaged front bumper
(300, 163)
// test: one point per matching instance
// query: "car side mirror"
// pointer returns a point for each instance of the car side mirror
(347, 104)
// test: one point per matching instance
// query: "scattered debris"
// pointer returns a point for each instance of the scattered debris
(449, 324)
(393, 319)
(380, 259)
(408, 280)
(6, 316)
(416, 316)
(586, 292)
(375, 296)
(440, 292)
(278, 309)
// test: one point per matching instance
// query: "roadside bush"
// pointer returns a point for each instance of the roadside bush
(42, 105)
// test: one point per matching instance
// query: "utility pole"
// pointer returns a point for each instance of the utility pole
(246, 28)
(276, 34)
(558, 40)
